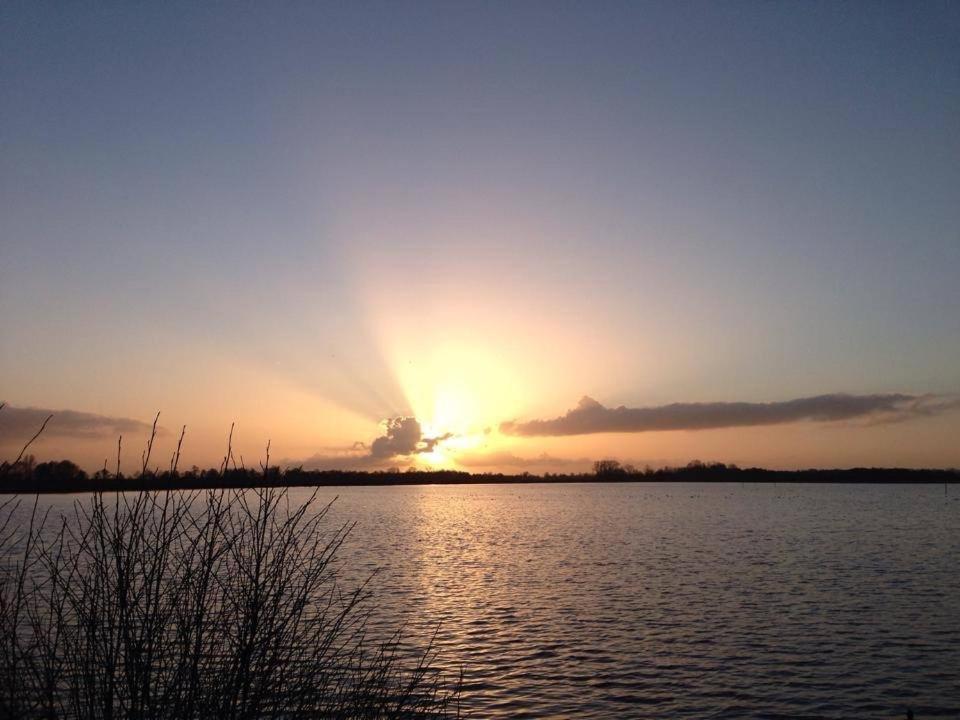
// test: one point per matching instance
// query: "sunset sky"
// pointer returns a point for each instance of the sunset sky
(464, 234)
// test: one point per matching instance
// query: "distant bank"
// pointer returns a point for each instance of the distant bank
(66, 477)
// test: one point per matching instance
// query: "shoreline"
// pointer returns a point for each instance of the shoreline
(239, 479)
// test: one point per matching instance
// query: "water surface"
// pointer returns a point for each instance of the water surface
(670, 600)
(675, 600)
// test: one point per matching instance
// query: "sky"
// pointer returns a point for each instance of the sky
(465, 234)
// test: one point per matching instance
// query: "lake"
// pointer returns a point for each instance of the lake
(675, 600)
(641, 600)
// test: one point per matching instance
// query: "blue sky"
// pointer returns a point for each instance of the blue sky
(643, 202)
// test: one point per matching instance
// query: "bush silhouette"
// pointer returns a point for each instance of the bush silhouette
(216, 604)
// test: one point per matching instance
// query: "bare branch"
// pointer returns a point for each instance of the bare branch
(229, 455)
(179, 444)
(149, 450)
(30, 441)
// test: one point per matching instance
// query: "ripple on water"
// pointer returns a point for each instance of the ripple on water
(695, 601)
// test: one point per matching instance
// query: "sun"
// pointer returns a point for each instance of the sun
(456, 434)
(460, 389)
(435, 460)
(458, 386)
(454, 408)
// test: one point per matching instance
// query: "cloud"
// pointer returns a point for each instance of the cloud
(508, 459)
(591, 417)
(19, 424)
(344, 461)
(403, 438)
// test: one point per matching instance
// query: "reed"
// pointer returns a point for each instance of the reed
(196, 604)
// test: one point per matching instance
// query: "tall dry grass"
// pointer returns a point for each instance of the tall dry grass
(203, 604)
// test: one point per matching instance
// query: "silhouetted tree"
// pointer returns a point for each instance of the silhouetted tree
(607, 468)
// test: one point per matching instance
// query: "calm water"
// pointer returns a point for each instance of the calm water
(644, 600)
(672, 600)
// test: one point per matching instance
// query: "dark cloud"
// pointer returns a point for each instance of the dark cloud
(591, 417)
(402, 439)
(19, 424)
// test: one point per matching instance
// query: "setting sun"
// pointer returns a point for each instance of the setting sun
(459, 388)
